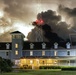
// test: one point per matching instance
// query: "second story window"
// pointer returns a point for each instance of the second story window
(16, 45)
(43, 53)
(68, 52)
(31, 53)
(7, 53)
(55, 53)
(16, 52)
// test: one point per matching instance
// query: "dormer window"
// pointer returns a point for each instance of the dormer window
(55, 45)
(7, 46)
(31, 45)
(43, 45)
(68, 45)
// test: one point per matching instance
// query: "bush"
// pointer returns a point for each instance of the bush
(68, 68)
(27, 67)
(5, 65)
(49, 67)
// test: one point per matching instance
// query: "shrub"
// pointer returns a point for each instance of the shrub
(68, 68)
(27, 67)
(49, 67)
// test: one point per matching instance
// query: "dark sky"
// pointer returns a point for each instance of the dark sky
(19, 15)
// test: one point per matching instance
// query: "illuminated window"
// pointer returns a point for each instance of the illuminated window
(68, 52)
(31, 53)
(43, 53)
(55, 53)
(17, 62)
(31, 61)
(16, 52)
(16, 45)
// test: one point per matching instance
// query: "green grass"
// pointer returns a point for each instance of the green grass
(42, 72)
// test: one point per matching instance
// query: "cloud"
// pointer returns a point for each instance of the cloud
(26, 11)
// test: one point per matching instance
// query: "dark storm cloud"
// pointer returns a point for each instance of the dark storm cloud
(58, 29)
(69, 14)
(54, 21)
(26, 10)
(49, 16)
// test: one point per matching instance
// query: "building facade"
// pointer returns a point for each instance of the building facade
(37, 54)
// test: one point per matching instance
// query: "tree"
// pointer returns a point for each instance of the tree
(5, 65)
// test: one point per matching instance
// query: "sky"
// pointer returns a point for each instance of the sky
(19, 15)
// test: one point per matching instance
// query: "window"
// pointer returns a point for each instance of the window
(13, 36)
(43, 53)
(31, 45)
(31, 53)
(68, 52)
(16, 52)
(55, 45)
(31, 61)
(6, 53)
(43, 45)
(17, 62)
(68, 45)
(7, 46)
(18, 36)
(55, 53)
(16, 45)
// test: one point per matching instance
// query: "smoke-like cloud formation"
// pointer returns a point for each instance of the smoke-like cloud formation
(26, 11)
(62, 24)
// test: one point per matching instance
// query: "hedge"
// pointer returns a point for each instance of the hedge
(68, 68)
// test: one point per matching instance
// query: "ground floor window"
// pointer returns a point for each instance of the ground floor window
(17, 62)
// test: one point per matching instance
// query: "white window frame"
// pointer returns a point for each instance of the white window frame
(31, 53)
(31, 45)
(43, 45)
(55, 53)
(43, 53)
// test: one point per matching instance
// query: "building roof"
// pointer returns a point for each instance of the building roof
(15, 32)
(3, 46)
(36, 45)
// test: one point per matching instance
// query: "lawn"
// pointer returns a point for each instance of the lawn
(42, 72)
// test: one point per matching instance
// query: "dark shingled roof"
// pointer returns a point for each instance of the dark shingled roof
(38, 45)
(16, 32)
(3, 45)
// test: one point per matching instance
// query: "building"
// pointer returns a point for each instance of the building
(37, 54)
